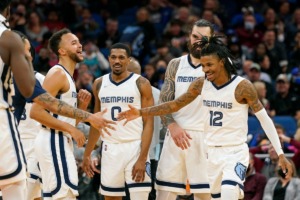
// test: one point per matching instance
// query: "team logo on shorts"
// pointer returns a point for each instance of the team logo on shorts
(240, 170)
(148, 169)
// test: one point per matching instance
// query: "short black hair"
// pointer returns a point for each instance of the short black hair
(55, 40)
(24, 37)
(4, 4)
(121, 46)
(204, 23)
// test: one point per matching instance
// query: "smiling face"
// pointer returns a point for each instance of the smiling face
(118, 60)
(212, 66)
(71, 47)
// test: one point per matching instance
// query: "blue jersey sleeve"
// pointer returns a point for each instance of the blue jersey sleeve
(18, 103)
(38, 90)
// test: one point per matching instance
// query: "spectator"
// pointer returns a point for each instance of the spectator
(281, 188)
(255, 182)
(249, 36)
(261, 92)
(277, 54)
(255, 74)
(94, 59)
(35, 29)
(53, 21)
(284, 102)
(162, 53)
(110, 35)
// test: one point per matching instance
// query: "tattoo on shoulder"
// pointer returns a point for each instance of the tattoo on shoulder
(172, 68)
(245, 93)
(141, 81)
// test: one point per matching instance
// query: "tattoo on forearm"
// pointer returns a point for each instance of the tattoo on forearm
(62, 108)
(175, 105)
(168, 89)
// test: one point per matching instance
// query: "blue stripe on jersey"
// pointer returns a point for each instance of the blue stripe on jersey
(199, 186)
(64, 161)
(222, 86)
(175, 185)
(133, 185)
(119, 83)
(13, 135)
(234, 183)
(21, 146)
(216, 196)
(55, 162)
(109, 189)
(35, 177)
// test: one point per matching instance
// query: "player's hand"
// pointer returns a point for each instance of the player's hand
(286, 166)
(138, 171)
(95, 163)
(129, 115)
(180, 137)
(99, 122)
(86, 166)
(78, 136)
(84, 97)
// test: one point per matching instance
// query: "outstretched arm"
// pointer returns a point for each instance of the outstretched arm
(169, 107)
(246, 93)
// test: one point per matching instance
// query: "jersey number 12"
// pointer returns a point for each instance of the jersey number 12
(215, 118)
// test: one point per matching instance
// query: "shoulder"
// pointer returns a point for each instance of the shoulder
(97, 83)
(142, 82)
(10, 42)
(174, 63)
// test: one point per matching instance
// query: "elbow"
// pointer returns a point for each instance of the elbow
(27, 92)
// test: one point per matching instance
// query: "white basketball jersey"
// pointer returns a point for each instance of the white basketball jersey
(6, 83)
(226, 119)
(70, 96)
(29, 128)
(190, 117)
(116, 97)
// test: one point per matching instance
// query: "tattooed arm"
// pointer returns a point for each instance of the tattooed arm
(167, 92)
(246, 93)
(169, 107)
(39, 114)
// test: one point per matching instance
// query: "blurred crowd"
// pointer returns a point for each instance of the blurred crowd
(263, 36)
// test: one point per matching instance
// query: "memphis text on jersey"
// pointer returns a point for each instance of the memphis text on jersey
(217, 104)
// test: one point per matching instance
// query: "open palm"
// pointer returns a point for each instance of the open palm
(129, 115)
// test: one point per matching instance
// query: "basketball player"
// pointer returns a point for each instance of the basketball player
(135, 67)
(226, 98)
(185, 127)
(13, 59)
(54, 148)
(125, 153)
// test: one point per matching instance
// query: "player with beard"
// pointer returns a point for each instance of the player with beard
(183, 152)
(54, 148)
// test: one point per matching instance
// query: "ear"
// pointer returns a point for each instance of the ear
(61, 51)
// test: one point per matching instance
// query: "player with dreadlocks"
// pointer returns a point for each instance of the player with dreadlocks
(226, 98)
